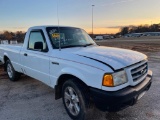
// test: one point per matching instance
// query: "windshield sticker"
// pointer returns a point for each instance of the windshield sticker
(55, 35)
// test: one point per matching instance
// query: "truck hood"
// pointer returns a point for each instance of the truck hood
(115, 57)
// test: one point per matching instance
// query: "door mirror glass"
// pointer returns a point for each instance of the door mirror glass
(38, 46)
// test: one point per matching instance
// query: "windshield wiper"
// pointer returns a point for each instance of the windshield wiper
(69, 46)
(87, 44)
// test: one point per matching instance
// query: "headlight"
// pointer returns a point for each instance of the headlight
(115, 79)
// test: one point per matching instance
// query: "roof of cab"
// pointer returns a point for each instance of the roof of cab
(44, 26)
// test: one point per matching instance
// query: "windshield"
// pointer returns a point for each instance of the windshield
(69, 37)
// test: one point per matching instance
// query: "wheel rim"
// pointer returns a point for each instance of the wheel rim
(9, 71)
(72, 101)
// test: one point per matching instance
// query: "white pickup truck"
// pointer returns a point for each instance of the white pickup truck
(83, 74)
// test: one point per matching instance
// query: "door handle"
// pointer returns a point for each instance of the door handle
(56, 63)
(25, 54)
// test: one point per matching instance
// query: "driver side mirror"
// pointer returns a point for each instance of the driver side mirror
(38, 46)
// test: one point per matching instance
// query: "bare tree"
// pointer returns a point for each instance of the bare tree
(7, 35)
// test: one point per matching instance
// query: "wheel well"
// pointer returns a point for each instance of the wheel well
(62, 79)
(5, 60)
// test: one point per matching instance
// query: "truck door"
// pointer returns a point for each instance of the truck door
(36, 61)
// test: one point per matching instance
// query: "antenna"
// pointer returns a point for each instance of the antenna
(58, 25)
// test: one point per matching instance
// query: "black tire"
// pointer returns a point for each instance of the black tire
(12, 74)
(79, 91)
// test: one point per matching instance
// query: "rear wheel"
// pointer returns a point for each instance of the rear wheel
(12, 74)
(74, 100)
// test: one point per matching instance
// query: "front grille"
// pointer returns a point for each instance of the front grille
(138, 72)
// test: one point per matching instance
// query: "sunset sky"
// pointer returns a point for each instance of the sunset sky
(109, 15)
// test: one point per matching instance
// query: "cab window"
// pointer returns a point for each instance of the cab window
(37, 41)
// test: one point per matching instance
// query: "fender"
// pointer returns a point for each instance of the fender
(5, 54)
(71, 71)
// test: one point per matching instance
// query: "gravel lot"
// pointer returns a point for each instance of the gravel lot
(29, 99)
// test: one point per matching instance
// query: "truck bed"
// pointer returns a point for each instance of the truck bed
(12, 52)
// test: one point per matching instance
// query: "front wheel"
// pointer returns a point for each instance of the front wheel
(12, 74)
(74, 100)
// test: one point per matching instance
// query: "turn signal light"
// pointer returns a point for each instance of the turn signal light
(108, 81)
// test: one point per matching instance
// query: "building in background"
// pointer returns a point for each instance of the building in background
(13, 42)
(142, 34)
(4, 42)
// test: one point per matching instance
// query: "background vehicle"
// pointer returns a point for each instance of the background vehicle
(99, 38)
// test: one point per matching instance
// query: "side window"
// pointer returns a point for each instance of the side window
(37, 41)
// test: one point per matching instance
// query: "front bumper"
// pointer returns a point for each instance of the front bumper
(118, 100)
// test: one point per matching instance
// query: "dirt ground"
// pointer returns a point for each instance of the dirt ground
(29, 99)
